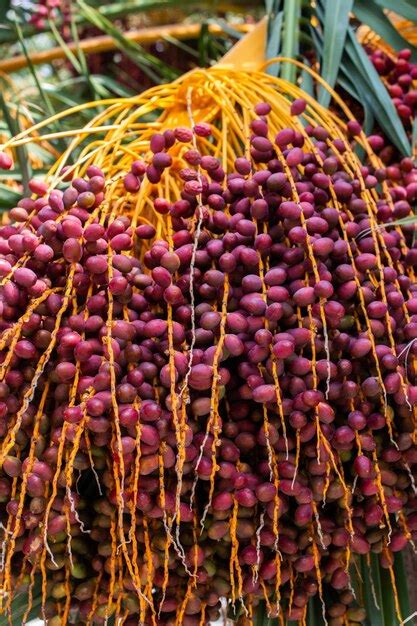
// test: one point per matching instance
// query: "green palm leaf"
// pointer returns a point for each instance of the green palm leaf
(19, 607)
(290, 37)
(372, 591)
(401, 7)
(336, 21)
(151, 65)
(275, 19)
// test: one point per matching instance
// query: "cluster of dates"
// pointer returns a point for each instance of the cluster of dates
(223, 412)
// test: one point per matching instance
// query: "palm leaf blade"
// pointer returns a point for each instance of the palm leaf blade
(401, 7)
(290, 37)
(336, 21)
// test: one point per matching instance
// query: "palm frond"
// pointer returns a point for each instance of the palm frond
(336, 22)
